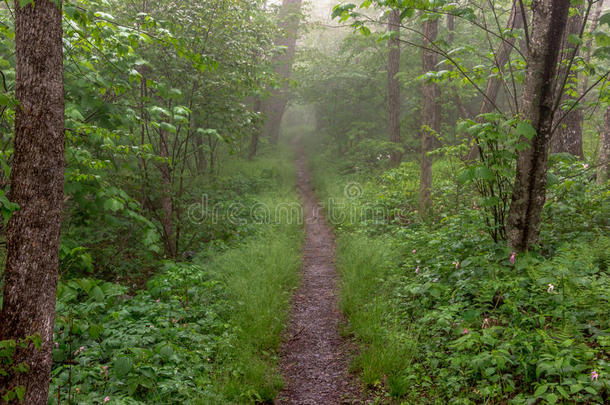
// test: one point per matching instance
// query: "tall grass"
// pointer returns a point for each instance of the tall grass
(365, 265)
(260, 275)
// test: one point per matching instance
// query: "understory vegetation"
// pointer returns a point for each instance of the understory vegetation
(199, 331)
(447, 315)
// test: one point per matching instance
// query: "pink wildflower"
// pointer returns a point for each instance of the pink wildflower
(465, 331)
(584, 165)
(512, 257)
(594, 375)
(417, 270)
(106, 399)
(457, 264)
(414, 251)
(57, 345)
(550, 289)
(157, 300)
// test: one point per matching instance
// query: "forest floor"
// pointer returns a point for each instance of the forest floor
(314, 357)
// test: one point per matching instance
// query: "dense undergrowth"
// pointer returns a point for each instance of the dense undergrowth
(445, 314)
(204, 330)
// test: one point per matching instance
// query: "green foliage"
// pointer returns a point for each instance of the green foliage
(200, 332)
(445, 314)
(8, 350)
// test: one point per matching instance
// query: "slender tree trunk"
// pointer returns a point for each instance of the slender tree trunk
(202, 163)
(394, 85)
(502, 57)
(603, 170)
(37, 185)
(589, 43)
(255, 135)
(568, 135)
(529, 190)
(431, 116)
(274, 107)
(167, 203)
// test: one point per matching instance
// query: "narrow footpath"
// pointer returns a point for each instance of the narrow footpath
(314, 357)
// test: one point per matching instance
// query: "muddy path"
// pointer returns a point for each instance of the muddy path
(314, 357)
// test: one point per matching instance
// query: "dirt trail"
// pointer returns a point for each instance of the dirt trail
(314, 357)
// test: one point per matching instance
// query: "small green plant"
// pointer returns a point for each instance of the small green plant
(8, 350)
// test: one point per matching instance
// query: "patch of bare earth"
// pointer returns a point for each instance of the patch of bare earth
(314, 357)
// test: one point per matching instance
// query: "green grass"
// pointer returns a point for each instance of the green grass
(260, 277)
(364, 264)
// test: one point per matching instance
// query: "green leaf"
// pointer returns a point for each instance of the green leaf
(342, 9)
(605, 19)
(97, 294)
(526, 130)
(166, 352)
(114, 205)
(541, 390)
(20, 392)
(552, 398)
(122, 366)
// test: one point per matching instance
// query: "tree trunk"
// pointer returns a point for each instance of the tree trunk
(202, 163)
(431, 115)
(167, 203)
(502, 57)
(603, 170)
(568, 135)
(37, 185)
(529, 190)
(393, 85)
(589, 43)
(255, 135)
(274, 107)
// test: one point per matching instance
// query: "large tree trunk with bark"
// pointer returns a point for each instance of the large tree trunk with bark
(37, 185)
(393, 84)
(273, 108)
(567, 137)
(431, 115)
(603, 170)
(529, 190)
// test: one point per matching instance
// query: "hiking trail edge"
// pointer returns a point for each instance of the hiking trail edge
(314, 357)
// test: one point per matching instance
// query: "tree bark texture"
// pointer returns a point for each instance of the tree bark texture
(37, 185)
(529, 189)
(394, 85)
(568, 134)
(274, 106)
(431, 115)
